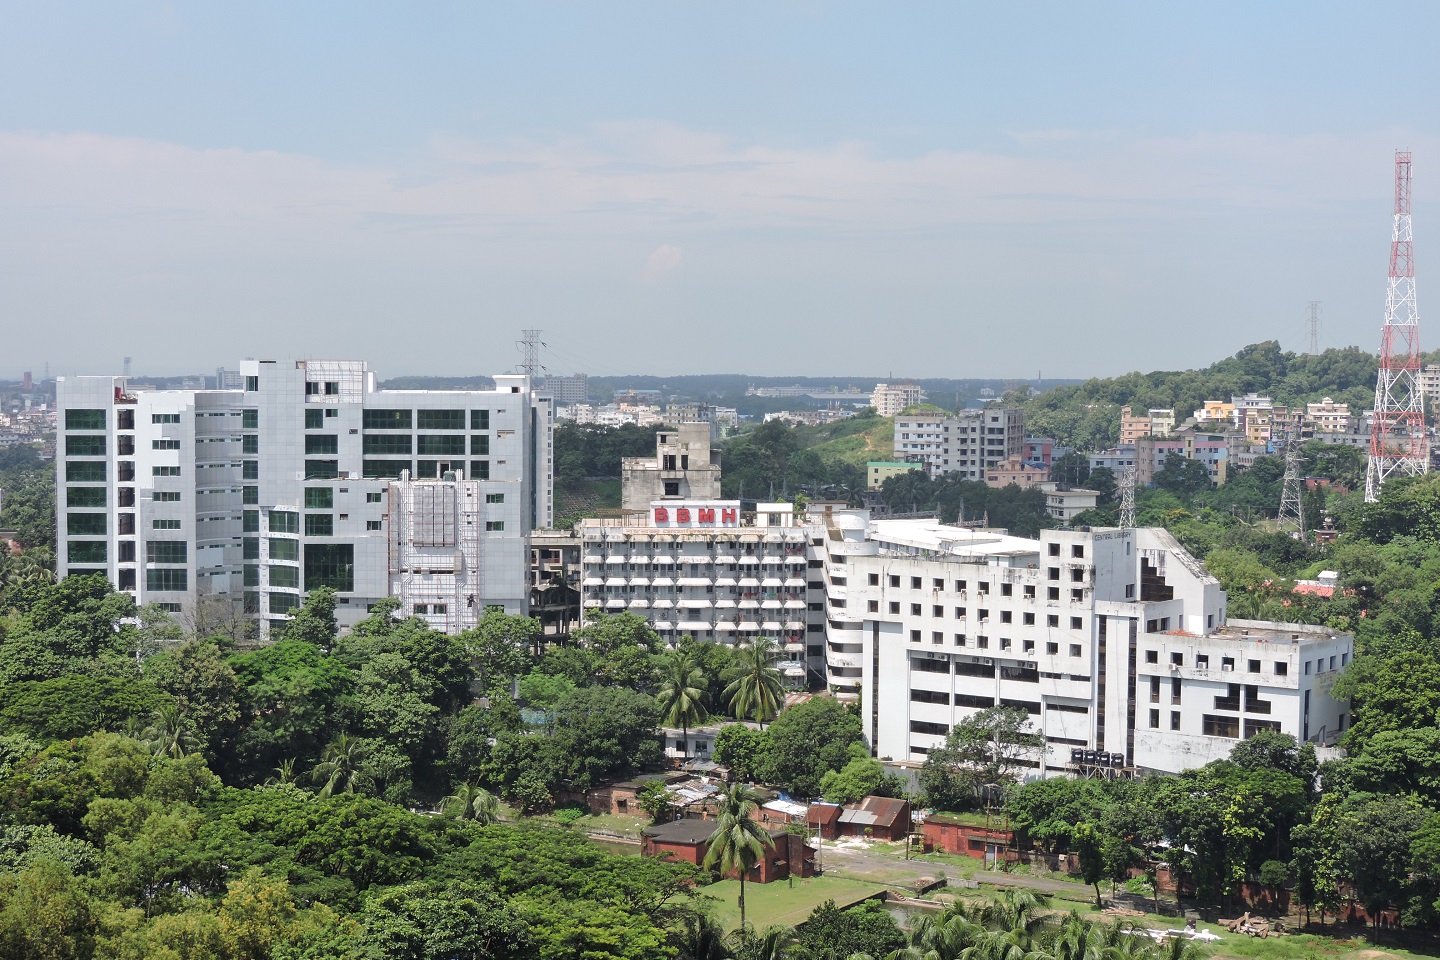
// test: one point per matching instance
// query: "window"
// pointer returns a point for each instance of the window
(914, 636)
(480, 445)
(1077, 551)
(89, 446)
(251, 385)
(936, 610)
(894, 608)
(250, 495)
(374, 497)
(1076, 624)
(84, 496)
(915, 609)
(1053, 573)
(1052, 593)
(165, 524)
(494, 525)
(284, 521)
(330, 565)
(386, 420)
(960, 585)
(1054, 549)
(87, 551)
(1252, 666)
(894, 581)
(250, 521)
(937, 584)
(1077, 574)
(1213, 726)
(283, 549)
(166, 551)
(929, 696)
(1202, 661)
(84, 419)
(385, 443)
(126, 580)
(165, 471)
(1029, 619)
(125, 523)
(959, 611)
(914, 583)
(314, 419)
(125, 446)
(1174, 719)
(124, 419)
(372, 524)
(1152, 656)
(167, 578)
(440, 419)
(874, 580)
(1077, 595)
(252, 575)
(1052, 648)
(1005, 616)
(284, 576)
(319, 525)
(319, 498)
(385, 469)
(1129, 591)
(251, 603)
(322, 443)
(1074, 649)
(1281, 668)
(1177, 659)
(322, 469)
(1154, 719)
(250, 548)
(250, 470)
(79, 472)
(440, 445)
(1052, 620)
(283, 602)
(924, 726)
(479, 419)
(479, 469)
(1227, 663)
(930, 666)
(250, 443)
(164, 418)
(937, 638)
(983, 642)
(165, 496)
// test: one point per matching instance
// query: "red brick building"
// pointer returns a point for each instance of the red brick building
(688, 841)
(967, 836)
(883, 818)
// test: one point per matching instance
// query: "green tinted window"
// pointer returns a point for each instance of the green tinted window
(330, 565)
(252, 575)
(386, 419)
(440, 419)
(283, 602)
(439, 445)
(314, 419)
(87, 551)
(85, 524)
(250, 522)
(167, 578)
(321, 469)
(383, 469)
(321, 443)
(281, 549)
(85, 472)
(282, 521)
(480, 445)
(479, 419)
(84, 496)
(319, 525)
(249, 443)
(251, 548)
(319, 498)
(252, 602)
(250, 419)
(84, 446)
(84, 419)
(250, 495)
(284, 576)
(386, 443)
(250, 470)
(166, 551)
(479, 469)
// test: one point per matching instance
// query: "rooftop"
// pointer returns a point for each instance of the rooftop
(932, 535)
(1270, 631)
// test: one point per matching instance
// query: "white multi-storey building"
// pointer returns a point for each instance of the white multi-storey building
(928, 624)
(701, 568)
(262, 493)
(888, 399)
(969, 442)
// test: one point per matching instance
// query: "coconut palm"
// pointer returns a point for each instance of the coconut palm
(681, 694)
(755, 690)
(284, 773)
(773, 944)
(739, 841)
(472, 802)
(949, 935)
(339, 768)
(168, 735)
(703, 938)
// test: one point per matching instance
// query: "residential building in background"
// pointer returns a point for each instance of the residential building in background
(1017, 471)
(969, 442)
(1066, 503)
(888, 399)
(878, 471)
(307, 476)
(567, 390)
(1327, 416)
(680, 470)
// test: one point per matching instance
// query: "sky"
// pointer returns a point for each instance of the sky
(910, 190)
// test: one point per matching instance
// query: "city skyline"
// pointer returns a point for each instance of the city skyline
(1129, 188)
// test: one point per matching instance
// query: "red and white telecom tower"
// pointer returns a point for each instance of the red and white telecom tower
(1397, 434)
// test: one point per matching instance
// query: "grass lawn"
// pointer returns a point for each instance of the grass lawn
(768, 904)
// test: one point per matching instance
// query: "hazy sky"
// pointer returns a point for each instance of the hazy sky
(939, 189)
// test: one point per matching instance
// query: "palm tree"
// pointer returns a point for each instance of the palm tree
(773, 944)
(472, 802)
(755, 690)
(949, 935)
(284, 773)
(340, 766)
(738, 842)
(703, 939)
(168, 734)
(681, 693)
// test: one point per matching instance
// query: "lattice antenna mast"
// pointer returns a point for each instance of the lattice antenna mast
(1397, 433)
(1292, 490)
(1127, 497)
(1314, 324)
(530, 345)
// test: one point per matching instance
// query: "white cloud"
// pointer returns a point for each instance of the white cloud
(661, 261)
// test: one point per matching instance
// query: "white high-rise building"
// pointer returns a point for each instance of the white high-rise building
(289, 483)
(1114, 643)
(968, 442)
